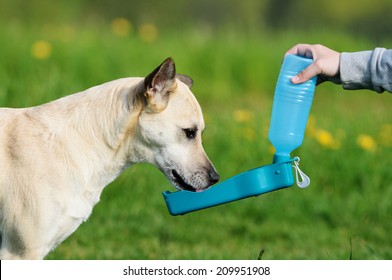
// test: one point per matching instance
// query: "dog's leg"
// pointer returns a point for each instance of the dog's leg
(17, 246)
(23, 233)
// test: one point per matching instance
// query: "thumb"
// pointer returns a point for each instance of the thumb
(306, 74)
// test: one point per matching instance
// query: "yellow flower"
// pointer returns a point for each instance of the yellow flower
(41, 49)
(243, 116)
(121, 27)
(366, 142)
(148, 32)
(326, 139)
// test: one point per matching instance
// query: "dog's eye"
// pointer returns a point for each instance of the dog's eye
(190, 133)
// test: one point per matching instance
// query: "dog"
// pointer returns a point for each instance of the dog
(56, 158)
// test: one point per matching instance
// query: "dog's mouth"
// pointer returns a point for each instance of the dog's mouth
(179, 181)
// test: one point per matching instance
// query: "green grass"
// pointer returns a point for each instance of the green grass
(344, 213)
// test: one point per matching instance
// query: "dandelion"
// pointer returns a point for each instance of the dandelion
(366, 142)
(121, 27)
(326, 139)
(243, 116)
(148, 32)
(41, 49)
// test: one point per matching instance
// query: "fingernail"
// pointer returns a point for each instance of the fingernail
(295, 79)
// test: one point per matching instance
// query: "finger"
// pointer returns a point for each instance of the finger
(294, 50)
(306, 74)
(302, 50)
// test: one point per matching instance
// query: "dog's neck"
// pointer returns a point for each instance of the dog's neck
(103, 130)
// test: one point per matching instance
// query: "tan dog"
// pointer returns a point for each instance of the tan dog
(55, 159)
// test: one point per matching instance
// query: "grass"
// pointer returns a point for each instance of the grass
(345, 212)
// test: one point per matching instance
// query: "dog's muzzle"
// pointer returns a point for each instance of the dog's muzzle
(213, 178)
(178, 179)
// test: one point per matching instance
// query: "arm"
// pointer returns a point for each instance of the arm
(367, 70)
(360, 70)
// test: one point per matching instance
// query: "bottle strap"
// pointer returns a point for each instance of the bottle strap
(301, 178)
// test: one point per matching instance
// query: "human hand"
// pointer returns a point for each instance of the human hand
(325, 63)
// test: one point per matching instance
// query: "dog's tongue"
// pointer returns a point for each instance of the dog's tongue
(199, 190)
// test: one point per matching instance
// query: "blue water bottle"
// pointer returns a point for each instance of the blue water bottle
(291, 107)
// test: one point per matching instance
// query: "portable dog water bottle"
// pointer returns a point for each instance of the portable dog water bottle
(291, 107)
(288, 121)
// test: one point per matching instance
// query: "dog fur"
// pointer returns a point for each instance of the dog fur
(56, 158)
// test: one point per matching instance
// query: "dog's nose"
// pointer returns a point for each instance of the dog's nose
(214, 177)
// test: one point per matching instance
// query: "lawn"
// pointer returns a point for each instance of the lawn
(347, 151)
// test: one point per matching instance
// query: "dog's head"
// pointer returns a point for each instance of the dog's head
(170, 128)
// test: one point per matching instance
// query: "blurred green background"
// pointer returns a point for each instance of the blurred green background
(233, 51)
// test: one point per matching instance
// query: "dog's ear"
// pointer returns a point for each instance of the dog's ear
(185, 79)
(158, 86)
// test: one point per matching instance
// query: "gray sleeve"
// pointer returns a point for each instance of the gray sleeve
(367, 70)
